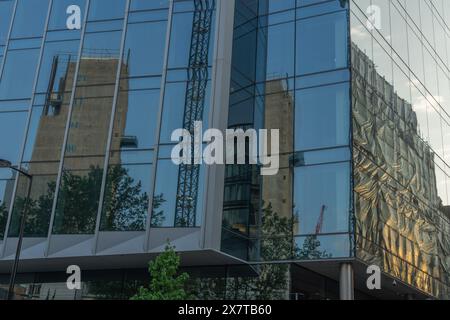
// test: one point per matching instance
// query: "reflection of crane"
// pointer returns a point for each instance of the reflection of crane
(320, 221)
(188, 176)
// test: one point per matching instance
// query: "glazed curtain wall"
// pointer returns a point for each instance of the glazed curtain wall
(89, 113)
(401, 121)
(290, 72)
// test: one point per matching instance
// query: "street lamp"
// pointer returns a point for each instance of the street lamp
(12, 280)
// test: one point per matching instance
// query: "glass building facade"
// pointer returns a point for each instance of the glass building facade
(401, 103)
(359, 89)
(96, 108)
(279, 67)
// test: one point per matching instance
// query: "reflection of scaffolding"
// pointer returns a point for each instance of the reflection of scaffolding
(195, 101)
(55, 95)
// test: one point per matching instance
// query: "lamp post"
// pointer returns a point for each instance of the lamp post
(12, 281)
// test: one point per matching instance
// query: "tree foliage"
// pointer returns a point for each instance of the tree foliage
(125, 205)
(165, 282)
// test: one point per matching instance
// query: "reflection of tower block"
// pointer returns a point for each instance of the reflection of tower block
(89, 125)
(279, 113)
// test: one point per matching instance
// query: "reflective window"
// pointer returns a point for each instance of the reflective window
(20, 67)
(148, 5)
(137, 119)
(41, 204)
(59, 15)
(6, 8)
(180, 40)
(78, 196)
(7, 180)
(89, 133)
(106, 9)
(322, 247)
(165, 195)
(144, 48)
(12, 129)
(322, 43)
(174, 103)
(280, 50)
(322, 199)
(30, 19)
(322, 117)
(126, 201)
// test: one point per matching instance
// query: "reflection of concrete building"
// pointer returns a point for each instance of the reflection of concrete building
(93, 101)
(89, 126)
(279, 113)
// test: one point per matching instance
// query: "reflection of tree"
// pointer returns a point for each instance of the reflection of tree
(38, 215)
(158, 216)
(78, 202)
(125, 203)
(272, 282)
(111, 290)
(125, 206)
(3, 217)
(310, 250)
(276, 243)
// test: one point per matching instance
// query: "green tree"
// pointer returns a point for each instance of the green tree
(165, 281)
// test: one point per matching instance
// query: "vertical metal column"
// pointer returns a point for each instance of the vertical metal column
(218, 118)
(346, 282)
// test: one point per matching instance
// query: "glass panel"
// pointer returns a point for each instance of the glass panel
(58, 15)
(20, 67)
(280, 50)
(322, 117)
(88, 135)
(322, 247)
(41, 195)
(322, 43)
(144, 48)
(127, 195)
(106, 9)
(136, 119)
(6, 8)
(180, 40)
(12, 129)
(322, 199)
(7, 180)
(30, 19)
(78, 197)
(164, 197)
